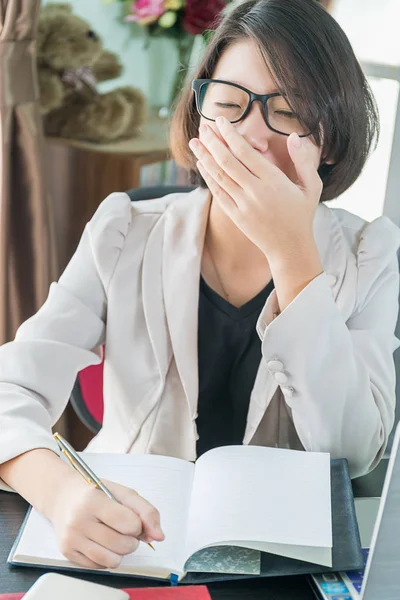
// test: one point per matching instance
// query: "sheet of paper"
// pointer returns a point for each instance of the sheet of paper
(165, 482)
(257, 494)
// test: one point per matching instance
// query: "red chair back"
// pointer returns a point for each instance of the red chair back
(91, 383)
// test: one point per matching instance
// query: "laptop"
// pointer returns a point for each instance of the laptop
(380, 579)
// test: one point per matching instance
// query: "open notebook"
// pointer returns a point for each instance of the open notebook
(264, 499)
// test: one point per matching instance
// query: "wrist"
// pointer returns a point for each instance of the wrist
(293, 270)
(37, 475)
(61, 482)
(300, 253)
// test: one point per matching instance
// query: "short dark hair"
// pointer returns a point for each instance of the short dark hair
(306, 49)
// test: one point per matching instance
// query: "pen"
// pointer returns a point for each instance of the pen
(83, 469)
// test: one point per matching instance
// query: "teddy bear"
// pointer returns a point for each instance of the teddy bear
(71, 60)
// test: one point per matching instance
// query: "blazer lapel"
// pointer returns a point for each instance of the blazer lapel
(153, 301)
(185, 226)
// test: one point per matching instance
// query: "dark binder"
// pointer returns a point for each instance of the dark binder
(346, 551)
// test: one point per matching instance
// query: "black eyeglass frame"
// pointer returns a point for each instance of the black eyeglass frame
(197, 84)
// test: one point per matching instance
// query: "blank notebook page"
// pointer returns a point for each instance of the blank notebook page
(165, 482)
(287, 494)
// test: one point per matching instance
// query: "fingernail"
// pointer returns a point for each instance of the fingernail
(194, 143)
(220, 121)
(296, 140)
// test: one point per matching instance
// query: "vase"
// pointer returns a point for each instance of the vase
(169, 65)
(184, 51)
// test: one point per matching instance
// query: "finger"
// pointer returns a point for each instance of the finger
(119, 517)
(216, 171)
(99, 555)
(245, 153)
(224, 158)
(148, 514)
(303, 154)
(80, 559)
(145, 538)
(225, 202)
(111, 539)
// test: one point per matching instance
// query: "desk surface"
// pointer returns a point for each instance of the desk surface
(19, 579)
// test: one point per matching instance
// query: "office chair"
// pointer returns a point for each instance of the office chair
(87, 394)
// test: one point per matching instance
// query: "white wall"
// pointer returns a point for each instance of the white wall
(372, 28)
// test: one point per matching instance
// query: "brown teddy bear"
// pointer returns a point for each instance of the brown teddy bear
(71, 60)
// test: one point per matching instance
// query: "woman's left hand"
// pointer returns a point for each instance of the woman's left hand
(275, 213)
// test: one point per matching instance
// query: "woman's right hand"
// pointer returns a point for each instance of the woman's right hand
(96, 532)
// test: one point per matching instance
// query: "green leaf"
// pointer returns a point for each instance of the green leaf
(207, 36)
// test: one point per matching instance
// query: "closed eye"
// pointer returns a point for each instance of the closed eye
(227, 105)
(285, 113)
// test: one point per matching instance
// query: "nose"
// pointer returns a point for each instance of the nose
(254, 128)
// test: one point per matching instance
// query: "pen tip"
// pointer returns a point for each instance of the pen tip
(151, 546)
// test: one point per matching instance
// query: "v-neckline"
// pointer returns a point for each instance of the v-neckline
(234, 312)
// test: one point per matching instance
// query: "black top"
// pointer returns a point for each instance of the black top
(229, 353)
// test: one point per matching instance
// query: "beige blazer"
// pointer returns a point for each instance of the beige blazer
(326, 381)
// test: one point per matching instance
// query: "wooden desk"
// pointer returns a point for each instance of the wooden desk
(19, 579)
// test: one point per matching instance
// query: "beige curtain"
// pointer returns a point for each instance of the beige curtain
(27, 248)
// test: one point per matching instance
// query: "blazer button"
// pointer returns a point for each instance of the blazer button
(280, 377)
(275, 365)
(288, 391)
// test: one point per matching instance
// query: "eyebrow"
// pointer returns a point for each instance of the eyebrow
(273, 91)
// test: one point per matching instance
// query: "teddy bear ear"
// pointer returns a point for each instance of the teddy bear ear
(65, 8)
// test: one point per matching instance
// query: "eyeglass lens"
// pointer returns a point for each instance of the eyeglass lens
(223, 99)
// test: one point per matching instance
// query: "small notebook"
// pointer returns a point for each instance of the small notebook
(234, 503)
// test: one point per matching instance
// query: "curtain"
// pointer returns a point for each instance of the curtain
(27, 243)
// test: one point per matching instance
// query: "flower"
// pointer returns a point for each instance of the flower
(176, 19)
(145, 12)
(201, 15)
(173, 4)
(168, 19)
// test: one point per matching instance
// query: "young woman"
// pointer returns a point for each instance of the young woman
(246, 311)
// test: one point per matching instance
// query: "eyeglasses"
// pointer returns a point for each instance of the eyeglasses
(217, 98)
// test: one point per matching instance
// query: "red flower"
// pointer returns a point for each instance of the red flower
(201, 15)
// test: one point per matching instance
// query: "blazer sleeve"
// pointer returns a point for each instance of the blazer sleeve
(38, 369)
(341, 375)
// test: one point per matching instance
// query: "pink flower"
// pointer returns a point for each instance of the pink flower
(145, 12)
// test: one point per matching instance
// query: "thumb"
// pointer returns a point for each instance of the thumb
(149, 516)
(299, 152)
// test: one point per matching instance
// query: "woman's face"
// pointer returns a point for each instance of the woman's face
(242, 63)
